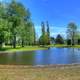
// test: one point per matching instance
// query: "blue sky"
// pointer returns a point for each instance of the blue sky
(57, 12)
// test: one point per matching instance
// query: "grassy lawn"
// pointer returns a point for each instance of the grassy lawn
(65, 46)
(37, 73)
(31, 48)
(57, 45)
(27, 48)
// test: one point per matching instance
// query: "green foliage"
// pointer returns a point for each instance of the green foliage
(72, 32)
(52, 39)
(44, 39)
(68, 42)
(48, 33)
(15, 24)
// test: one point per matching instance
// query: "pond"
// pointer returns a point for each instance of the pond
(42, 57)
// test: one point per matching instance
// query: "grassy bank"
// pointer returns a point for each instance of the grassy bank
(37, 73)
(64, 46)
(32, 48)
(27, 48)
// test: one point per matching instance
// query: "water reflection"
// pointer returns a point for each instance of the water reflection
(42, 57)
(57, 56)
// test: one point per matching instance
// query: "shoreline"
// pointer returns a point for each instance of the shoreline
(67, 72)
(38, 48)
(34, 48)
(59, 66)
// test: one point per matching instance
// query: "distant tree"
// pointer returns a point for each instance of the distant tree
(77, 38)
(1, 39)
(78, 41)
(42, 38)
(45, 37)
(71, 32)
(43, 28)
(48, 33)
(68, 41)
(43, 41)
(52, 40)
(59, 39)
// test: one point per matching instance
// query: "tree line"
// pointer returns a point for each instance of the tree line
(17, 28)
(72, 33)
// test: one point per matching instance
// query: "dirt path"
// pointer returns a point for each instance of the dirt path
(70, 72)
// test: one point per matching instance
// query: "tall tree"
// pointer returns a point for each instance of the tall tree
(43, 33)
(30, 33)
(43, 28)
(16, 13)
(16, 24)
(48, 33)
(3, 24)
(71, 32)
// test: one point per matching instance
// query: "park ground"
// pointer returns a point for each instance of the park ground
(67, 72)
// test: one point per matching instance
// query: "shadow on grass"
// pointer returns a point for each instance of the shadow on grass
(5, 49)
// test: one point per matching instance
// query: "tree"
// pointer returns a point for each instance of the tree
(48, 33)
(59, 39)
(45, 37)
(68, 41)
(3, 24)
(43, 28)
(71, 32)
(16, 25)
(42, 38)
(78, 41)
(16, 14)
(52, 40)
(30, 33)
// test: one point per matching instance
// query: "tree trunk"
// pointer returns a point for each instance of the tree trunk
(73, 39)
(22, 42)
(14, 41)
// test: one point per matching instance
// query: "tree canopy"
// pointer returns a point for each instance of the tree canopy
(16, 24)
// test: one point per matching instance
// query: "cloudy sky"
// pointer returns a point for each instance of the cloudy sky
(57, 12)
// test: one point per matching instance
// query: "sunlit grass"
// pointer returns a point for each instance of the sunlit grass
(31, 48)
(18, 48)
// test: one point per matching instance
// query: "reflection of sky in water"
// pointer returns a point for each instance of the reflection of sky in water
(39, 56)
(42, 57)
(57, 56)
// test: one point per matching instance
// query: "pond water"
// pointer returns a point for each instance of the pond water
(42, 57)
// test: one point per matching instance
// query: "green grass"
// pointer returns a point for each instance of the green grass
(32, 48)
(57, 45)
(27, 48)
(64, 46)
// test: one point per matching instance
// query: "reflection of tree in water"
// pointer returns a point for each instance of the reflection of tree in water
(78, 49)
(73, 50)
(73, 56)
